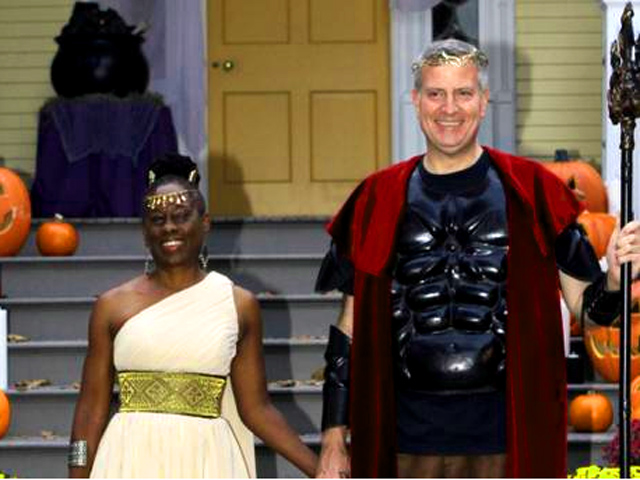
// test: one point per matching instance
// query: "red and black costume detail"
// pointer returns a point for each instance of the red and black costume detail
(538, 208)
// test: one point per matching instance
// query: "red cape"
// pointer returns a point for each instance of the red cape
(539, 206)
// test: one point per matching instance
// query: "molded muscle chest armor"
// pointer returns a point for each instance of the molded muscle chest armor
(448, 292)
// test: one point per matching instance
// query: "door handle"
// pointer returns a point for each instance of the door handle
(226, 65)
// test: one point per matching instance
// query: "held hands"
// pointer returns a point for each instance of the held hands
(334, 459)
(624, 246)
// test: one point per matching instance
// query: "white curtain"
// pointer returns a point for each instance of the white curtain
(176, 52)
(413, 5)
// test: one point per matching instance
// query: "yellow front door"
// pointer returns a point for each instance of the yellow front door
(298, 103)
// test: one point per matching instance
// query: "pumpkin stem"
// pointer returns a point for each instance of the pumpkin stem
(561, 155)
(58, 217)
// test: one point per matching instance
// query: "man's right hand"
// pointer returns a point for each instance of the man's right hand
(334, 459)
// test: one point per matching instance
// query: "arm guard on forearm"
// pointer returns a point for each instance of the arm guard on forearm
(335, 392)
(602, 306)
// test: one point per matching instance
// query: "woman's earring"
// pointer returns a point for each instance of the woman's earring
(149, 265)
(203, 258)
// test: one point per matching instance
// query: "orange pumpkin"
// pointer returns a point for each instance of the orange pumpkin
(15, 213)
(599, 227)
(5, 414)
(635, 398)
(602, 345)
(584, 180)
(57, 238)
(590, 412)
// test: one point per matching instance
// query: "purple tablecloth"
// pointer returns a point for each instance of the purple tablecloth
(92, 155)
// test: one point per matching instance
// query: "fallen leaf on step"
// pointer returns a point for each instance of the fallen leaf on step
(75, 385)
(31, 384)
(318, 374)
(15, 338)
(284, 383)
(47, 434)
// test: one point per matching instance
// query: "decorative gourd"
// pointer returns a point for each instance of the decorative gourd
(15, 213)
(590, 412)
(5, 414)
(57, 238)
(583, 179)
(602, 345)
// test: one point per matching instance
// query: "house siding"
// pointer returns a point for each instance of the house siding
(559, 78)
(27, 47)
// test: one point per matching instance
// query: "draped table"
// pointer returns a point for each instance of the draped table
(93, 151)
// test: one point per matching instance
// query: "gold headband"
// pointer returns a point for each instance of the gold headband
(161, 200)
(439, 58)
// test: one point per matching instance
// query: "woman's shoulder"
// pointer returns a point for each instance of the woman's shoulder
(120, 302)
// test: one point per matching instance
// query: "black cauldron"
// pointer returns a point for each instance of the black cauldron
(98, 53)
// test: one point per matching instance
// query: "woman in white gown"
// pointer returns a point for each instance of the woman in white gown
(185, 348)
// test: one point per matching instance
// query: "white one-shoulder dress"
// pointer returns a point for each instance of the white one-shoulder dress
(195, 331)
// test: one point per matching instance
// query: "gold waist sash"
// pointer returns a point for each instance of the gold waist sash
(193, 394)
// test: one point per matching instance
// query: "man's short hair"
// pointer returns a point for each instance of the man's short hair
(451, 52)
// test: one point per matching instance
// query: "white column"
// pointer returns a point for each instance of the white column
(4, 367)
(611, 133)
(410, 33)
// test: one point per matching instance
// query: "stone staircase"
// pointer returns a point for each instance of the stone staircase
(49, 301)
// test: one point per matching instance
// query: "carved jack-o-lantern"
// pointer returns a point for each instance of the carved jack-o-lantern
(15, 213)
(602, 345)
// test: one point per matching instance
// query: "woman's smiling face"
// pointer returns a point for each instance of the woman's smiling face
(174, 231)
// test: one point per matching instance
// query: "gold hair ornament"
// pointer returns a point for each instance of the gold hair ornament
(161, 200)
(192, 176)
(441, 57)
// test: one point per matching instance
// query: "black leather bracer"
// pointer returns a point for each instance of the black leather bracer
(602, 306)
(335, 392)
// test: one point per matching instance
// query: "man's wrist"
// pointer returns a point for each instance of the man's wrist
(335, 436)
(612, 285)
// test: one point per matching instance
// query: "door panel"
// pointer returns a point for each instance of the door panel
(298, 103)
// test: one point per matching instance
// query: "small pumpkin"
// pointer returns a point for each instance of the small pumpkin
(583, 179)
(602, 345)
(5, 414)
(590, 412)
(57, 238)
(15, 213)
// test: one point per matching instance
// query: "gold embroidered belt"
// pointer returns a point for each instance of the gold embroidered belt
(193, 394)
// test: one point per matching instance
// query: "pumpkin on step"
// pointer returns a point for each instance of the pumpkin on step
(57, 238)
(5, 414)
(583, 179)
(598, 227)
(15, 213)
(590, 412)
(602, 345)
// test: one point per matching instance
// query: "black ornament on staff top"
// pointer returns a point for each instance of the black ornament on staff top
(623, 100)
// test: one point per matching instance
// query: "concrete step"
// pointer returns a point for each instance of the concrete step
(60, 361)
(66, 318)
(118, 236)
(37, 457)
(86, 276)
(50, 408)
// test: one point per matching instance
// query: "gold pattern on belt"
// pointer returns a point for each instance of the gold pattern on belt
(179, 393)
